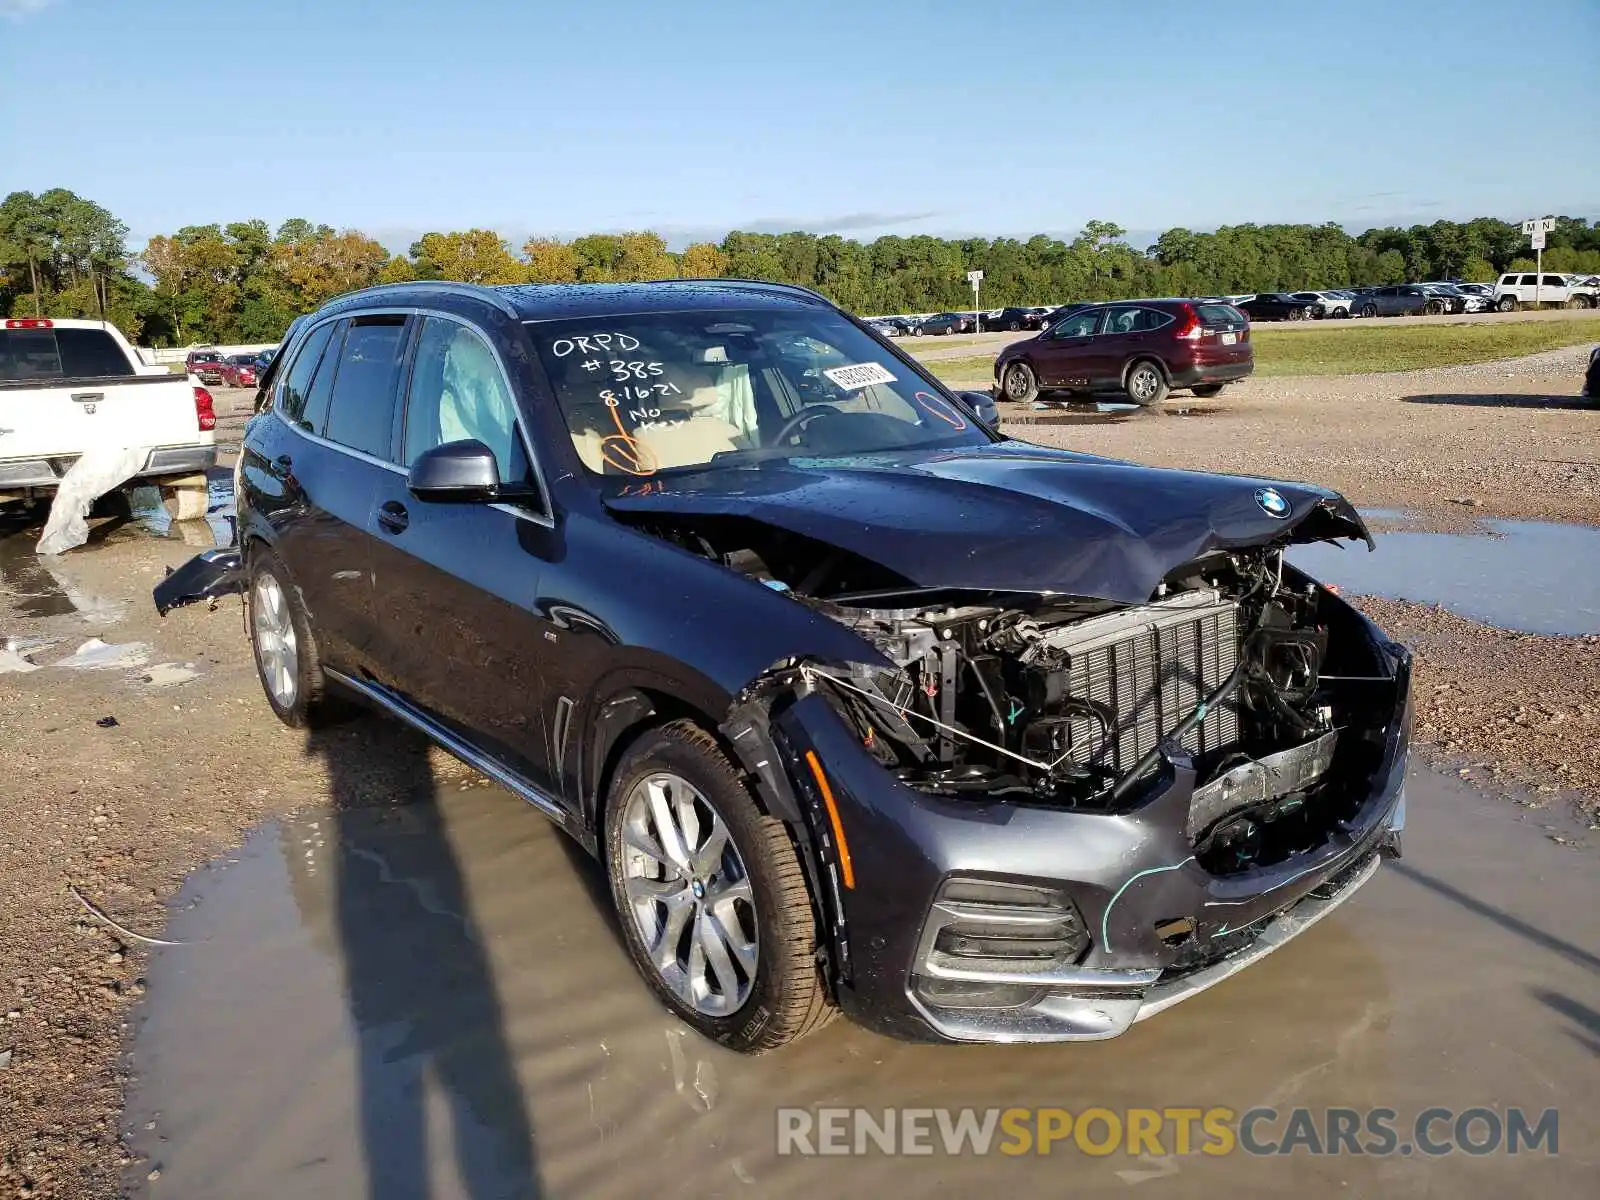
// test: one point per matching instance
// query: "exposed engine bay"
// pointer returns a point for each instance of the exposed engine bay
(1260, 675)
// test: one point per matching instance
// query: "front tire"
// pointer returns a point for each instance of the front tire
(1146, 385)
(1370, 310)
(710, 894)
(288, 660)
(1507, 304)
(1297, 314)
(1019, 383)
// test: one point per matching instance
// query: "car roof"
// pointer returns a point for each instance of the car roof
(563, 301)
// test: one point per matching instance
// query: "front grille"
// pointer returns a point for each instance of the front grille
(1142, 671)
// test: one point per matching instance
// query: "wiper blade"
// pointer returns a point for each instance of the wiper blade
(724, 458)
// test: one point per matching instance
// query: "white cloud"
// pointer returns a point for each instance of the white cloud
(17, 9)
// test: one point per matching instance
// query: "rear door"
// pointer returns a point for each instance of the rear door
(343, 406)
(65, 389)
(1128, 332)
(456, 584)
(1067, 355)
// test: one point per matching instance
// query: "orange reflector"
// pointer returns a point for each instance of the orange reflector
(845, 869)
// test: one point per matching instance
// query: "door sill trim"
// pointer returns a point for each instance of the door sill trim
(454, 744)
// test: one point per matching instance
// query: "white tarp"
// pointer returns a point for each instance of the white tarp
(98, 470)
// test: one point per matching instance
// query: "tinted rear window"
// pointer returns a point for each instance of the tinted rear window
(362, 416)
(1219, 314)
(46, 354)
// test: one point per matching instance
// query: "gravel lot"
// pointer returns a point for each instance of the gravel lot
(124, 811)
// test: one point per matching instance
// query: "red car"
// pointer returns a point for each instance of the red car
(1141, 348)
(207, 364)
(239, 370)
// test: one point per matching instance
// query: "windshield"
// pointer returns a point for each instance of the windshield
(672, 391)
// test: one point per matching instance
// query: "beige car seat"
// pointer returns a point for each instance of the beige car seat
(473, 402)
(714, 411)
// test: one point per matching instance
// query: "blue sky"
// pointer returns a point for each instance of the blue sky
(696, 116)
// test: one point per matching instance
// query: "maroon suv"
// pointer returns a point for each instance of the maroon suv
(1143, 348)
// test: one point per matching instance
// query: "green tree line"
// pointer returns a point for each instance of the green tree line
(62, 255)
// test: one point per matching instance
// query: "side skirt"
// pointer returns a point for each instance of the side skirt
(384, 699)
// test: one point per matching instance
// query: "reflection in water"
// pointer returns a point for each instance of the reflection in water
(41, 586)
(417, 982)
(1538, 577)
(320, 1022)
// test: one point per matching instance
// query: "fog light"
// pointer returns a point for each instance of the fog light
(982, 934)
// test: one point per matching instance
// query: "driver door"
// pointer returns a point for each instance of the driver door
(456, 585)
(1068, 355)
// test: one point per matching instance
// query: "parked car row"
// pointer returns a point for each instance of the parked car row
(1014, 320)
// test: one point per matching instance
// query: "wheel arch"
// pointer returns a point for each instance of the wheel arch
(1145, 357)
(746, 737)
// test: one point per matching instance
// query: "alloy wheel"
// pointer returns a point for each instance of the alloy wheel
(277, 649)
(1142, 383)
(689, 894)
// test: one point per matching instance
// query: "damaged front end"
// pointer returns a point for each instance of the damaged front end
(1056, 816)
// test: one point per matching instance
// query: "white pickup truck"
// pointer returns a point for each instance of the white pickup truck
(1517, 288)
(69, 385)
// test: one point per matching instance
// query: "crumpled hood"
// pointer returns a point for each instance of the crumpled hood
(1007, 517)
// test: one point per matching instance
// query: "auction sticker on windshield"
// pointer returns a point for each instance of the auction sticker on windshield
(859, 375)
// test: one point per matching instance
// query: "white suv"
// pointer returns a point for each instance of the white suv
(1524, 287)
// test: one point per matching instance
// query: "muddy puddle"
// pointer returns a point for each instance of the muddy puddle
(1107, 412)
(429, 1000)
(47, 586)
(1534, 576)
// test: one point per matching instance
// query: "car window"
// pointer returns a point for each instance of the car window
(61, 353)
(647, 393)
(297, 382)
(1554, 281)
(1077, 325)
(361, 410)
(458, 391)
(1529, 280)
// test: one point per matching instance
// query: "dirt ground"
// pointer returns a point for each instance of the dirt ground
(119, 785)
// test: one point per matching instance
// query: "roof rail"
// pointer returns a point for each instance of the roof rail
(794, 288)
(476, 290)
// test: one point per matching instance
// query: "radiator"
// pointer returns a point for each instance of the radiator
(1143, 671)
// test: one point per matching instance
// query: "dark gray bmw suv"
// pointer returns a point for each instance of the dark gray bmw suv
(859, 703)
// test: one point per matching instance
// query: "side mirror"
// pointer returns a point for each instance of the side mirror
(460, 472)
(984, 406)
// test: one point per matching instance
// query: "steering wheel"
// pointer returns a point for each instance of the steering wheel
(797, 422)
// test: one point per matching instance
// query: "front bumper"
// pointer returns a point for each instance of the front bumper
(162, 461)
(1131, 876)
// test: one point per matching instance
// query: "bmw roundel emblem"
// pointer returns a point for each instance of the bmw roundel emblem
(1272, 502)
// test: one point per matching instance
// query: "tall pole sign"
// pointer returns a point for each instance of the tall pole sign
(1536, 229)
(975, 278)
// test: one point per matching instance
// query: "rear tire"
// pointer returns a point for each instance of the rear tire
(288, 660)
(1019, 384)
(1145, 384)
(745, 906)
(1341, 314)
(1206, 390)
(1507, 304)
(1369, 310)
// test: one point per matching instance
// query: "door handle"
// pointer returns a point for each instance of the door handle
(393, 517)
